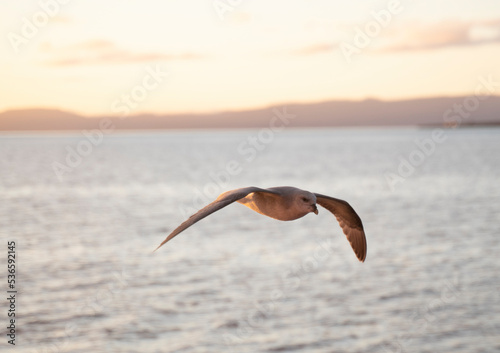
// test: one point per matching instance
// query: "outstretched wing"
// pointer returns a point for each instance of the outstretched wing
(222, 201)
(349, 222)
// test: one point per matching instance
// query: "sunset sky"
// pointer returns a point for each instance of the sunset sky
(87, 56)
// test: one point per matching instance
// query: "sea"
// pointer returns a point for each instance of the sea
(85, 210)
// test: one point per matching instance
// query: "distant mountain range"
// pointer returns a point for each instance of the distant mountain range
(426, 111)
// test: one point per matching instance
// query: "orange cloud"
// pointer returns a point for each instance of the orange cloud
(239, 17)
(314, 49)
(61, 19)
(102, 52)
(418, 36)
(445, 34)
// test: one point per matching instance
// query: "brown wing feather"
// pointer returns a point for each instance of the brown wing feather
(222, 201)
(349, 222)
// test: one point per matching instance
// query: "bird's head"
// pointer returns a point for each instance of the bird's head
(307, 201)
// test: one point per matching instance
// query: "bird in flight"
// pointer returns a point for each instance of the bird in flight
(286, 203)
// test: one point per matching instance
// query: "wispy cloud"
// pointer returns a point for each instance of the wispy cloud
(319, 48)
(60, 19)
(418, 36)
(102, 52)
(421, 37)
(239, 17)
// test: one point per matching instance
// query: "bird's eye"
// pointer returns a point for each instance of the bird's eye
(304, 199)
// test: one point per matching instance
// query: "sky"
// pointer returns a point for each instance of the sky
(192, 56)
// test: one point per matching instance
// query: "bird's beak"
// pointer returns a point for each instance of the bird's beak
(315, 209)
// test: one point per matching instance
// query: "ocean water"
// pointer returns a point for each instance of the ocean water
(85, 224)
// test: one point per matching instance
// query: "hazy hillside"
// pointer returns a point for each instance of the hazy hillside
(331, 113)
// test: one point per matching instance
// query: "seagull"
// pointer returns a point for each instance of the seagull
(286, 203)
